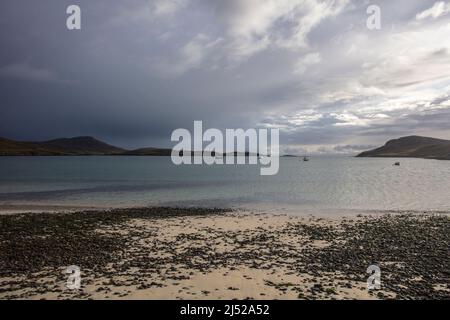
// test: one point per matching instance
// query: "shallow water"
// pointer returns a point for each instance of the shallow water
(324, 183)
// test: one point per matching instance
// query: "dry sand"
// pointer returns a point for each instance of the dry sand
(223, 256)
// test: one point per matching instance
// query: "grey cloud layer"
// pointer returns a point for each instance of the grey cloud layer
(139, 69)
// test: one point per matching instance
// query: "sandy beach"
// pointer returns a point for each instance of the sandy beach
(176, 253)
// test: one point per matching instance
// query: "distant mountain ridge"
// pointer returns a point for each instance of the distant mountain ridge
(412, 147)
(83, 146)
(76, 146)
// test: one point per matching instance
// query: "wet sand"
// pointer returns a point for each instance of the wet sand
(194, 253)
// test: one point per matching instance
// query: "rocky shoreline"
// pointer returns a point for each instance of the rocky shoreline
(194, 253)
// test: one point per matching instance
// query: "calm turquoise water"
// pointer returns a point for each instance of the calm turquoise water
(323, 183)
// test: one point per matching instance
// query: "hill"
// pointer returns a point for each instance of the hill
(58, 147)
(81, 145)
(412, 147)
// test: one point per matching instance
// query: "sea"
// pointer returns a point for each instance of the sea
(322, 185)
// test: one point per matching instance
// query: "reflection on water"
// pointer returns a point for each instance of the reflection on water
(338, 183)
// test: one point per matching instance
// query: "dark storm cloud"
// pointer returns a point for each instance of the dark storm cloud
(139, 69)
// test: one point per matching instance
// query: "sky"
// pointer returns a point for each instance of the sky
(139, 69)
